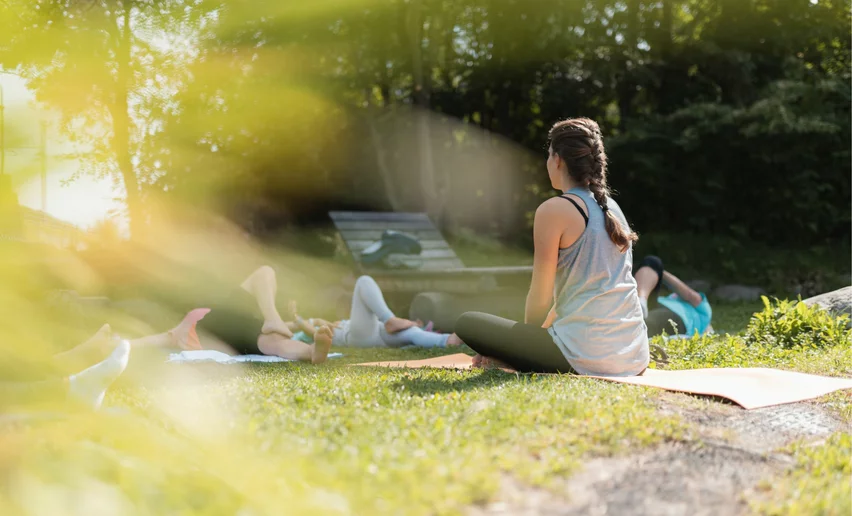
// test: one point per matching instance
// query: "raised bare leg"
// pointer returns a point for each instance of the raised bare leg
(646, 280)
(368, 304)
(263, 285)
(649, 276)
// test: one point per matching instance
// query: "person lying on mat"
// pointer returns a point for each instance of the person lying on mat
(581, 273)
(247, 320)
(685, 311)
(244, 319)
(371, 324)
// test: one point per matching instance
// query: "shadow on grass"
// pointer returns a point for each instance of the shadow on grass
(447, 380)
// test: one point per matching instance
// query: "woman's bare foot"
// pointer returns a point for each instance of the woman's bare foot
(398, 324)
(482, 362)
(454, 341)
(100, 343)
(322, 344)
(477, 360)
(183, 335)
(279, 327)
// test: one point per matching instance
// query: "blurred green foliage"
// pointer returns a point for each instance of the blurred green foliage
(725, 118)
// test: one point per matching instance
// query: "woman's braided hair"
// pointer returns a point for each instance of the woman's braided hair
(578, 141)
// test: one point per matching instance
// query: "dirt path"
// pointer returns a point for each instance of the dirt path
(729, 453)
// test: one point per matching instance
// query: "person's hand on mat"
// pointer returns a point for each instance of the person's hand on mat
(279, 327)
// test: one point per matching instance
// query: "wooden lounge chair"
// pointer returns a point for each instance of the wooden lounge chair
(436, 268)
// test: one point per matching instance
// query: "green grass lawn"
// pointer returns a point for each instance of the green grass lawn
(335, 439)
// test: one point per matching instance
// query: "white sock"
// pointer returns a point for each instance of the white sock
(644, 303)
(90, 385)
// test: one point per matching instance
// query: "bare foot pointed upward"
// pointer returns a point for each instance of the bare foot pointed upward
(101, 342)
(184, 335)
(322, 344)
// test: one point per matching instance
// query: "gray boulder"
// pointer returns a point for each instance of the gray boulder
(738, 293)
(699, 285)
(837, 302)
(443, 309)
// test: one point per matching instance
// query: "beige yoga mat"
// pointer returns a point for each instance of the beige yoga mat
(749, 387)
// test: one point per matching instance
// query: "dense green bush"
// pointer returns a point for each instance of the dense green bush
(791, 324)
(785, 334)
(774, 171)
(721, 258)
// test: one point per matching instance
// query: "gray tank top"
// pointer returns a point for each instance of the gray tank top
(599, 325)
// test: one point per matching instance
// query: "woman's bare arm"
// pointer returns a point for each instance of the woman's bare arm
(547, 232)
(682, 290)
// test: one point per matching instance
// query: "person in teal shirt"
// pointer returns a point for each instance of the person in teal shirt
(683, 312)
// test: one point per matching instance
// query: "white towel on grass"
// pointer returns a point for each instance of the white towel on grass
(209, 355)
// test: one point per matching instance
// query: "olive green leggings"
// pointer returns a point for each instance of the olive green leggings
(524, 347)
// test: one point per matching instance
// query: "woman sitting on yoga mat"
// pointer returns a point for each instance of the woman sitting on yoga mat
(684, 312)
(582, 286)
(371, 324)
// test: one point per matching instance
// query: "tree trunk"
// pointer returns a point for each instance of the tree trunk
(422, 103)
(121, 127)
(626, 85)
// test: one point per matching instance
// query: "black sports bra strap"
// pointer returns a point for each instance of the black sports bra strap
(583, 213)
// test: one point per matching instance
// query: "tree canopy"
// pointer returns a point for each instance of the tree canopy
(725, 117)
